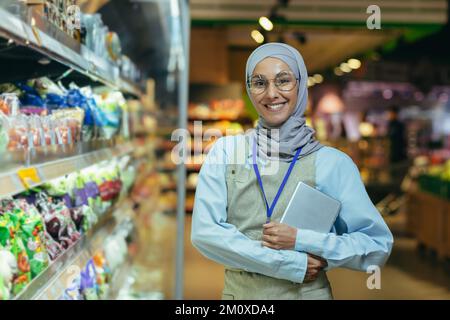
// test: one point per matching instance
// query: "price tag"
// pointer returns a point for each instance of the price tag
(29, 177)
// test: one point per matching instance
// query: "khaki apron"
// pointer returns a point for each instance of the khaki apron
(246, 210)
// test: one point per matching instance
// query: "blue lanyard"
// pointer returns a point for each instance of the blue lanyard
(283, 183)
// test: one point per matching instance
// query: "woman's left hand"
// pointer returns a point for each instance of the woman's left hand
(279, 236)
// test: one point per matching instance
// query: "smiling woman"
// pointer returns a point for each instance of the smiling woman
(275, 103)
(265, 259)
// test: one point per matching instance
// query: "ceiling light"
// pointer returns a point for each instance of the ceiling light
(266, 23)
(318, 78)
(354, 63)
(257, 36)
(311, 81)
(44, 61)
(338, 71)
(345, 67)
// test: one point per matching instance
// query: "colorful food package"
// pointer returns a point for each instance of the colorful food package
(73, 292)
(32, 232)
(30, 101)
(54, 249)
(63, 133)
(36, 131)
(113, 46)
(107, 115)
(9, 104)
(23, 276)
(75, 98)
(8, 270)
(46, 87)
(92, 190)
(88, 284)
(54, 102)
(103, 275)
(58, 221)
(18, 137)
(57, 187)
(69, 122)
(49, 136)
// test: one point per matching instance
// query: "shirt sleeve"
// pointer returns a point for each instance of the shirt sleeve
(223, 242)
(361, 238)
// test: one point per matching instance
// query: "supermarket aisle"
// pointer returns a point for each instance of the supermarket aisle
(408, 275)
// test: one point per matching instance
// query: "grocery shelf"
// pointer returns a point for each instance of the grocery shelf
(29, 168)
(56, 278)
(65, 50)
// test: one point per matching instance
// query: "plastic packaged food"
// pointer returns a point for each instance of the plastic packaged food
(23, 264)
(69, 125)
(36, 131)
(9, 104)
(88, 282)
(8, 270)
(113, 46)
(107, 115)
(4, 138)
(76, 99)
(103, 275)
(18, 137)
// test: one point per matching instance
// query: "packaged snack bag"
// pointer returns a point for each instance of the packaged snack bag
(23, 265)
(88, 282)
(8, 270)
(76, 99)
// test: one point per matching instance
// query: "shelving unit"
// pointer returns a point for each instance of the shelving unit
(33, 35)
(29, 168)
(33, 47)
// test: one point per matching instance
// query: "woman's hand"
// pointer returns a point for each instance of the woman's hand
(315, 265)
(279, 236)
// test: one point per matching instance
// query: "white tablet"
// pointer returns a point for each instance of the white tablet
(311, 209)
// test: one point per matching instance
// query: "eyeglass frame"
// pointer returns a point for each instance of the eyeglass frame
(269, 80)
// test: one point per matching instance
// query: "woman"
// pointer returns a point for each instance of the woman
(240, 189)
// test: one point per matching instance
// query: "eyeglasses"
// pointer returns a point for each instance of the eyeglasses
(284, 81)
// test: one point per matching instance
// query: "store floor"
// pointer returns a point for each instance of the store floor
(407, 275)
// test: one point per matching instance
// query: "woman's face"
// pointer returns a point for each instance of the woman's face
(273, 105)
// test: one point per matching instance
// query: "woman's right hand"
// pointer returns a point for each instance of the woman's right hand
(315, 265)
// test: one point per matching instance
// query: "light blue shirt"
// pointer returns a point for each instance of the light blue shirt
(359, 239)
